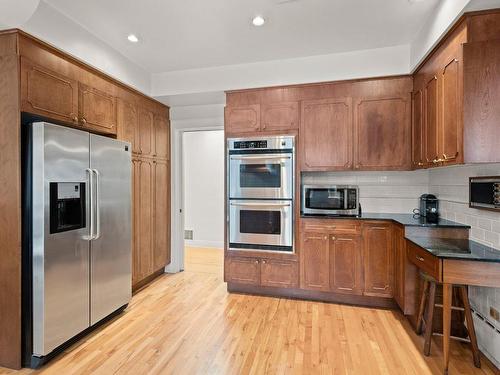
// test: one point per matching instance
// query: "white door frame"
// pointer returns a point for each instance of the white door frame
(177, 195)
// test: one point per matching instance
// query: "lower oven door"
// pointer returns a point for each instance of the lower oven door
(261, 225)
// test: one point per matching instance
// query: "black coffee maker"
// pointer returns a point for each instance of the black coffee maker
(429, 208)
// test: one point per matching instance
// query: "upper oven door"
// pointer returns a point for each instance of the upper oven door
(261, 175)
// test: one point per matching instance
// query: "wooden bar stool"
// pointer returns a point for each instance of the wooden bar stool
(429, 296)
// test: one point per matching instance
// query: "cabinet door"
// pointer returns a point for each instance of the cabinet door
(245, 119)
(418, 129)
(378, 260)
(97, 109)
(280, 116)
(431, 121)
(128, 125)
(162, 137)
(451, 139)
(145, 218)
(136, 254)
(242, 270)
(399, 266)
(146, 132)
(279, 273)
(382, 133)
(314, 262)
(48, 93)
(326, 134)
(345, 264)
(161, 251)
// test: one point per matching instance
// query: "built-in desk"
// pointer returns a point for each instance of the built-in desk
(454, 261)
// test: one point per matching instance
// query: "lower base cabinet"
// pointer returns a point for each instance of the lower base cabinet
(346, 268)
(261, 272)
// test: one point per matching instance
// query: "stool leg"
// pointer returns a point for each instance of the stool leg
(422, 306)
(447, 296)
(470, 327)
(429, 318)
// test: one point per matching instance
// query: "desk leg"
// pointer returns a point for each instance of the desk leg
(447, 297)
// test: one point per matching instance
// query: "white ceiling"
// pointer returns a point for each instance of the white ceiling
(188, 34)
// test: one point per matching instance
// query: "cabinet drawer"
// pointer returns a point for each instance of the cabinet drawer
(333, 226)
(278, 273)
(242, 270)
(424, 261)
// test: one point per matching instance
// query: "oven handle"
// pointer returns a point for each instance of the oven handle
(259, 157)
(261, 204)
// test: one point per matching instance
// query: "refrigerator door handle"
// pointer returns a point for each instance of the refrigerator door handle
(91, 200)
(97, 205)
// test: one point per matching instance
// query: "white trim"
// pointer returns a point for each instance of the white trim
(177, 187)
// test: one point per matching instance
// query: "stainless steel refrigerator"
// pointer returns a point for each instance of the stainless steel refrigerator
(77, 235)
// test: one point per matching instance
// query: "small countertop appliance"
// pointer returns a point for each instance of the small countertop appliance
(429, 207)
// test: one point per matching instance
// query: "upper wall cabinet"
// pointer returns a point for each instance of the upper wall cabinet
(418, 156)
(97, 109)
(245, 119)
(326, 134)
(382, 129)
(257, 118)
(128, 124)
(37, 81)
(280, 116)
(161, 136)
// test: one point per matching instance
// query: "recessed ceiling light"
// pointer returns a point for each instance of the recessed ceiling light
(258, 21)
(133, 38)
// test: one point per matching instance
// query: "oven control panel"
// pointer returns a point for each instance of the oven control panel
(239, 145)
(261, 144)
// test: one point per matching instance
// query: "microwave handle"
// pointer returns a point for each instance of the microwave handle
(258, 157)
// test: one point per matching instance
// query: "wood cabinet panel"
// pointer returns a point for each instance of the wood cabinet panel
(144, 208)
(451, 140)
(242, 119)
(399, 266)
(47, 93)
(279, 273)
(128, 124)
(383, 132)
(242, 270)
(97, 109)
(280, 116)
(326, 134)
(162, 137)
(136, 271)
(146, 132)
(314, 261)
(346, 268)
(378, 260)
(431, 121)
(418, 157)
(161, 249)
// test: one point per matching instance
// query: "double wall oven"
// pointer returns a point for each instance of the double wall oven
(261, 177)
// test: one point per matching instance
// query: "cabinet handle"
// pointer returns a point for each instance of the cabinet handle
(333, 238)
(325, 238)
(379, 288)
(445, 157)
(419, 258)
(263, 262)
(256, 262)
(75, 118)
(84, 121)
(420, 164)
(437, 160)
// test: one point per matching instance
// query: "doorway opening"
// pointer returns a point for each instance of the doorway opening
(203, 200)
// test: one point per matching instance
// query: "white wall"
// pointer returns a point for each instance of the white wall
(54, 28)
(203, 161)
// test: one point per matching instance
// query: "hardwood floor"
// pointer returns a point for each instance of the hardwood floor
(187, 323)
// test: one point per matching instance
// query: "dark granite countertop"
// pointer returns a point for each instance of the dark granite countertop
(404, 219)
(454, 248)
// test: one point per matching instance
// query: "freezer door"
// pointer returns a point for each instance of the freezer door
(60, 222)
(111, 248)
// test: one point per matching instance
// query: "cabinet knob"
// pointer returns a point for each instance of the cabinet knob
(263, 262)
(420, 164)
(333, 238)
(84, 121)
(75, 118)
(325, 238)
(419, 258)
(256, 262)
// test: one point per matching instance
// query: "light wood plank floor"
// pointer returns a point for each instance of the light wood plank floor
(187, 323)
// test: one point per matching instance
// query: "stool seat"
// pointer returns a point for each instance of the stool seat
(429, 296)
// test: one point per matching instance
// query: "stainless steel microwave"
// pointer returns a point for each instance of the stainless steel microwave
(484, 192)
(330, 200)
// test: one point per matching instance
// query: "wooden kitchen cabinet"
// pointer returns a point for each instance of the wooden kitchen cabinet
(431, 120)
(382, 128)
(279, 116)
(143, 207)
(146, 132)
(314, 261)
(161, 195)
(418, 157)
(242, 270)
(161, 136)
(127, 124)
(378, 259)
(242, 119)
(97, 109)
(346, 268)
(279, 273)
(327, 134)
(36, 84)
